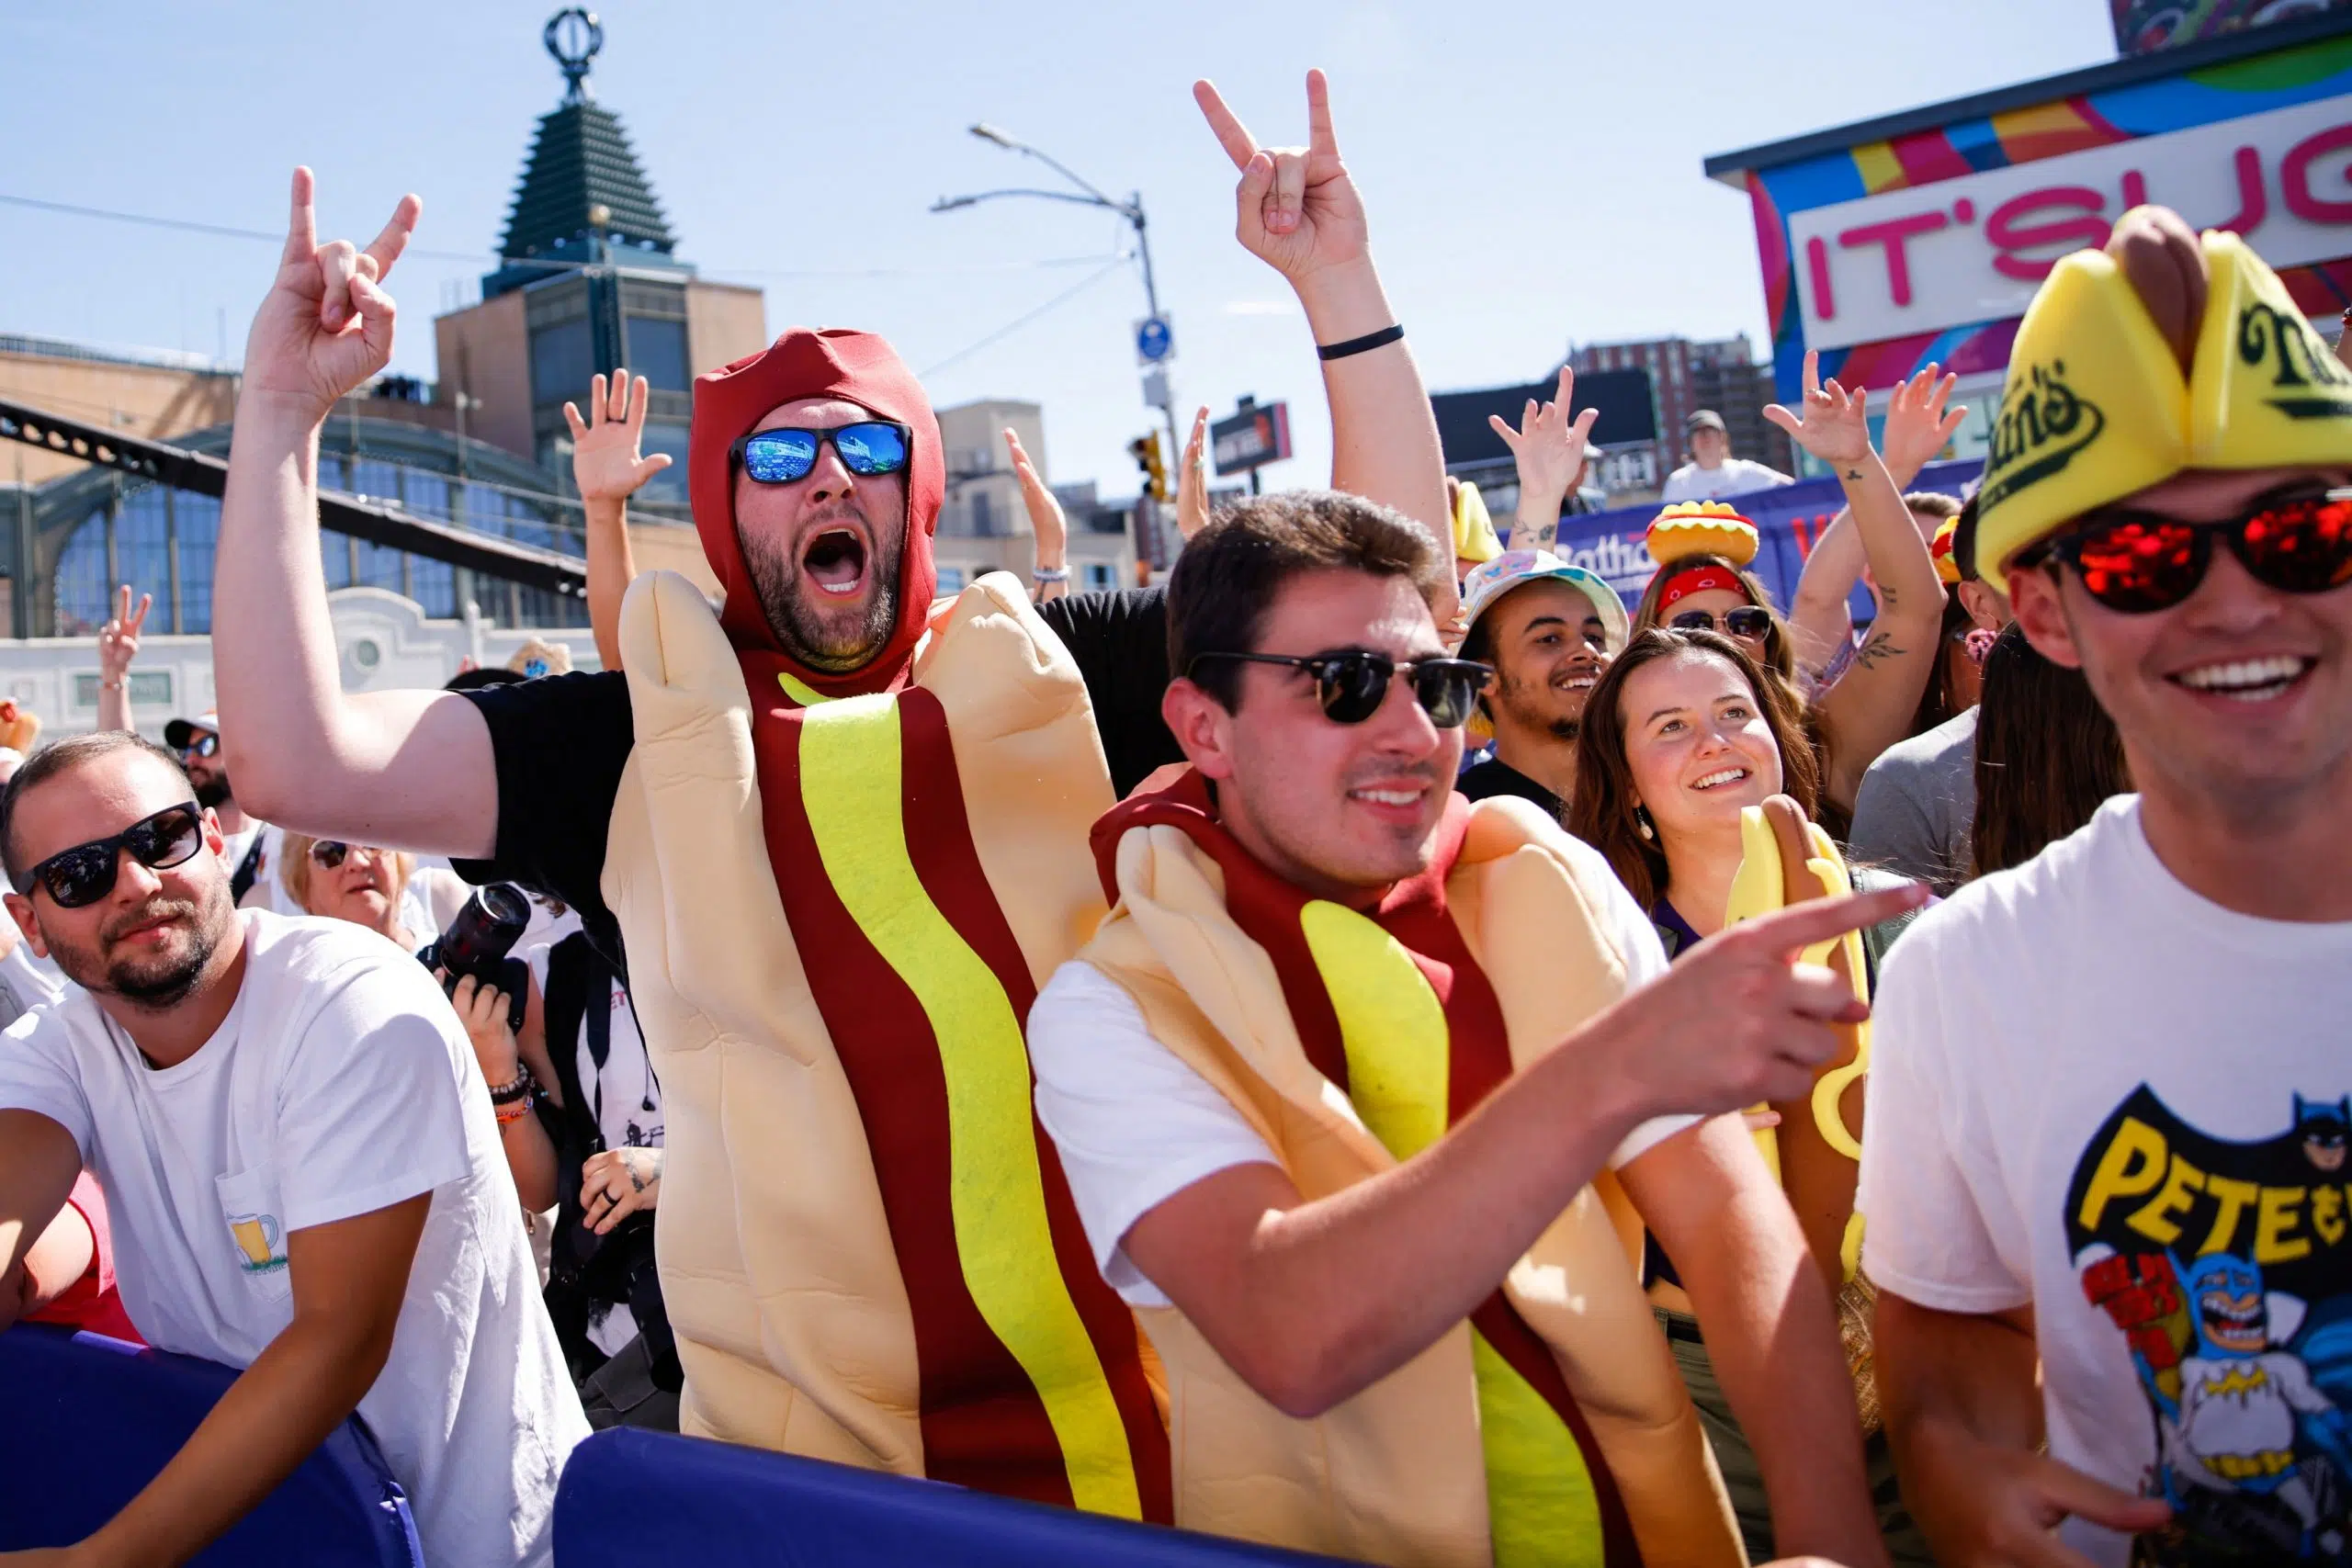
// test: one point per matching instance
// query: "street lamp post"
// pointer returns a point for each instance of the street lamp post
(1130, 210)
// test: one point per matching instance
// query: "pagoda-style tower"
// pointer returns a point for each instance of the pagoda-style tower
(588, 281)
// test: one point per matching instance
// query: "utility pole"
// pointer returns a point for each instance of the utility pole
(1132, 210)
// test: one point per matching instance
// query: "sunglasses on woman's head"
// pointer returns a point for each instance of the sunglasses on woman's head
(86, 873)
(1749, 621)
(781, 457)
(1352, 685)
(2138, 562)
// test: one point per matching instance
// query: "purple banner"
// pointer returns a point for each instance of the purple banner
(1788, 520)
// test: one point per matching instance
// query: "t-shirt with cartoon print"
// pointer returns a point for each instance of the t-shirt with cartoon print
(2096, 1092)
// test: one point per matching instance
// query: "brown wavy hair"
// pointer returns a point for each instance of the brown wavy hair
(2047, 755)
(1602, 813)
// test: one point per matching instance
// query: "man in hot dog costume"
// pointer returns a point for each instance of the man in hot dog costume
(1364, 1093)
(841, 830)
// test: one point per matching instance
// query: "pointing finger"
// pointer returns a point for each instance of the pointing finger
(1231, 134)
(1320, 138)
(302, 226)
(386, 247)
(1790, 930)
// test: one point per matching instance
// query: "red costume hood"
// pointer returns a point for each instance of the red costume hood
(729, 402)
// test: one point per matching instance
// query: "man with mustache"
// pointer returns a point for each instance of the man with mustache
(842, 832)
(1549, 630)
(300, 1164)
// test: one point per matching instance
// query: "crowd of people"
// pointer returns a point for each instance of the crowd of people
(1371, 1047)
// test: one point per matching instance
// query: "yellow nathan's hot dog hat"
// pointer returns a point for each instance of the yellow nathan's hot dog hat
(2129, 368)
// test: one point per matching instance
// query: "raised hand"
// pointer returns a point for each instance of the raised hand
(1549, 445)
(604, 461)
(118, 639)
(1193, 481)
(1046, 518)
(1836, 424)
(1920, 423)
(326, 324)
(1296, 209)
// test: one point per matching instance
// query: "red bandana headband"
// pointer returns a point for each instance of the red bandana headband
(1698, 579)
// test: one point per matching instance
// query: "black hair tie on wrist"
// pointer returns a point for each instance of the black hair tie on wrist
(1363, 345)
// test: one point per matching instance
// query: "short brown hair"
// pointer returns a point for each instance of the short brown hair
(63, 756)
(1931, 504)
(1226, 580)
(1602, 813)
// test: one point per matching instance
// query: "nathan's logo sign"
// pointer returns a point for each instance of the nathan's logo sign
(2310, 382)
(2225, 1267)
(2042, 424)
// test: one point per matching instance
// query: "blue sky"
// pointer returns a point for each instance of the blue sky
(1532, 173)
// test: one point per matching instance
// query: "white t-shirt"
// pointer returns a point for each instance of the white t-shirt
(627, 1103)
(1134, 1125)
(2095, 1091)
(1736, 477)
(339, 1084)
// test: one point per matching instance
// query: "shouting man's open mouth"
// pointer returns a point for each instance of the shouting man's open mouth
(835, 560)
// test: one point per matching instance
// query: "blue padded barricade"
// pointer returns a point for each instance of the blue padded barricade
(632, 1498)
(91, 1420)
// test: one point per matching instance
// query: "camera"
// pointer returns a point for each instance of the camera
(478, 943)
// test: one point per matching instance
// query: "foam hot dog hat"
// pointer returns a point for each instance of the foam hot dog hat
(2165, 351)
(1701, 528)
(1940, 551)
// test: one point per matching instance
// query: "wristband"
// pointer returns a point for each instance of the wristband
(1363, 345)
(515, 1091)
(1051, 574)
(514, 1111)
(106, 685)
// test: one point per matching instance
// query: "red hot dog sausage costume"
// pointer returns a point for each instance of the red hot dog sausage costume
(840, 893)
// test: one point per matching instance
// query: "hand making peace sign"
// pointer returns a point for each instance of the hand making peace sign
(1297, 209)
(326, 324)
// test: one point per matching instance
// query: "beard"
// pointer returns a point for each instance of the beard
(214, 792)
(152, 982)
(1530, 709)
(807, 635)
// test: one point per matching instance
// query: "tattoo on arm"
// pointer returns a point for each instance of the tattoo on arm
(1853, 473)
(1880, 647)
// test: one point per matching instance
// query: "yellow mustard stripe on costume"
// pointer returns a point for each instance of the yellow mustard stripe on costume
(850, 770)
(800, 692)
(1541, 1503)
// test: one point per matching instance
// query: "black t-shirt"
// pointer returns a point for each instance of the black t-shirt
(1494, 776)
(560, 744)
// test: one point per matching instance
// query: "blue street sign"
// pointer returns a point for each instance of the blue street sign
(1154, 340)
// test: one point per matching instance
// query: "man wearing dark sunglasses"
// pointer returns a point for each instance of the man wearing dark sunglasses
(2113, 1277)
(846, 820)
(1302, 1085)
(300, 1167)
(251, 841)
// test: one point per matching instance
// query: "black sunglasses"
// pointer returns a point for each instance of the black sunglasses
(1749, 621)
(329, 852)
(2138, 562)
(781, 457)
(1352, 685)
(202, 746)
(86, 873)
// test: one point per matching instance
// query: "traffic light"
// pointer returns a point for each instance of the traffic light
(1146, 451)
